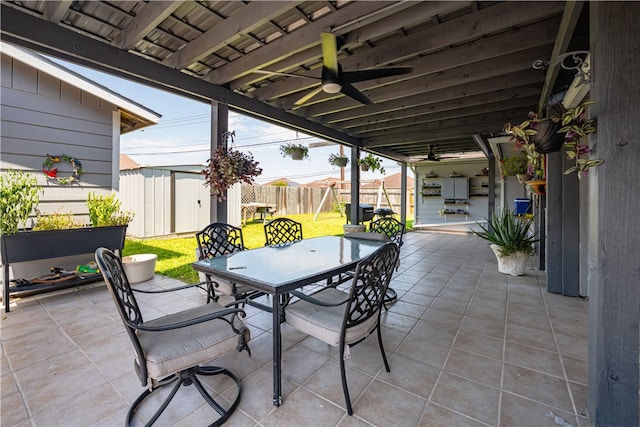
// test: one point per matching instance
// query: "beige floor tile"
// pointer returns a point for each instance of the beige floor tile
(327, 382)
(472, 399)
(480, 344)
(576, 369)
(384, 405)
(531, 337)
(303, 408)
(474, 367)
(543, 388)
(520, 412)
(398, 322)
(13, 410)
(533, 358)
(437, 416)
(415, 377)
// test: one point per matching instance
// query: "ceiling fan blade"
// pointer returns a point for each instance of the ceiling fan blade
(354, 93)
(308, 96)
(329, 52)
(276, 73)
(360, 76)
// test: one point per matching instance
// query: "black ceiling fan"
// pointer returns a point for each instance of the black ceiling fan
(334, 79)
(433, 157)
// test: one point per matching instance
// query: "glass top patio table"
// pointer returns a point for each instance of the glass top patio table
(279, 269)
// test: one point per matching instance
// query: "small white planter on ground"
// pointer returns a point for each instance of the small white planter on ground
(514, 265)
(139, 268)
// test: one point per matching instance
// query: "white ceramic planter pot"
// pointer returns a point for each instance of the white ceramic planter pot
(139, 268)
(513, 265)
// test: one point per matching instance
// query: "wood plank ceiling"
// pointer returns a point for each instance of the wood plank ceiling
(472, 61)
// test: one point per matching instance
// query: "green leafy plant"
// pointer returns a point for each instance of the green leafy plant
(572, 126)
(56, 221)
(371, 163)
(19, 196)
(577, 126)
(104, 211)
(509, 232)
(513, 165)
(338, 160)
(295, 151)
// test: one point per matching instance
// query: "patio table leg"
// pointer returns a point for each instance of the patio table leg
(277, 352)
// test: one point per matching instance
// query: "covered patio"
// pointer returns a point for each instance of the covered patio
(468, 346)
(471, 74)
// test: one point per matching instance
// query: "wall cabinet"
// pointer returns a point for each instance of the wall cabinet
(455, 188)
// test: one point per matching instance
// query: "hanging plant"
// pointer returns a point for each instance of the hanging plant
(577, 126)
(371, 163)
(537, 135)
(227, 167)
(51, 172)
(295, 151)
(338, 160)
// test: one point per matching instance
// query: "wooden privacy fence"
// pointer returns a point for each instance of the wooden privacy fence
(306, 200)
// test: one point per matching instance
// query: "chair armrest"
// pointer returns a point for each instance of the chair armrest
(316, 301)
(200, 319)
(177, 288)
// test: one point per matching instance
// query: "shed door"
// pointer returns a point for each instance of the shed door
(190, 202)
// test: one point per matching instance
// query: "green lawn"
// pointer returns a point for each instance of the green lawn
(176, 255)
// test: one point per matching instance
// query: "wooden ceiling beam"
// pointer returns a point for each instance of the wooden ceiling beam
(54, 11)
(491, 85)
(482, 70)
(145, 21)
(504, 107)
(495, 45)
(570, 17)
(301, 39)
(241, 22)
(462, 131)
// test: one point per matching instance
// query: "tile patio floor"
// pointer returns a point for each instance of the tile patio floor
(467, 346)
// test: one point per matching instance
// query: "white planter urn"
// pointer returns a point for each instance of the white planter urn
(139, 268)
(513, 265)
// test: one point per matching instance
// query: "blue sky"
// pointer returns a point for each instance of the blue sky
(182, 135)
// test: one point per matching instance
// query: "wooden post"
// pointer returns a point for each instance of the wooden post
(614, 229)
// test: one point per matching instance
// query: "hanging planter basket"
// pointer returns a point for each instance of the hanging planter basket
(297, 154)
(547, 140)
(538, 187)
(364, 167)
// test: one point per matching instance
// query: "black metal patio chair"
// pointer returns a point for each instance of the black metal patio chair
(346, 318)
(173, 349)
(394, 230)
(282, 230)
(218, 239)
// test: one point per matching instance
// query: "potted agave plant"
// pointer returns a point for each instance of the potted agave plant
(511, 241)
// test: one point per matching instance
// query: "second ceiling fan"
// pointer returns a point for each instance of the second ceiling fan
(335, 80)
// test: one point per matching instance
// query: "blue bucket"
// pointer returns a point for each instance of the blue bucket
(523, 206)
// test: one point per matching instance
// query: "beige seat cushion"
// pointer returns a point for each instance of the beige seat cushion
(168, 352)
(226, 288)
(325, 323)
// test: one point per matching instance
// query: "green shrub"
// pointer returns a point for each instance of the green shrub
(19, 196)
(105, 211)
(57, 221)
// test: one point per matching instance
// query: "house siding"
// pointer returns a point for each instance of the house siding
(43, 115)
